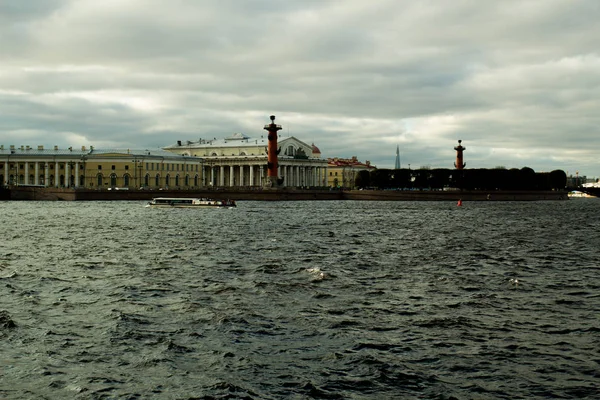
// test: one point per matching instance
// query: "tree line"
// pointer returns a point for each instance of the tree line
(468, 179)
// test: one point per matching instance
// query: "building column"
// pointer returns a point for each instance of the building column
(322, 176)
(56, 174)
(292, 176)
(6, 172)
(304, 176)
(26, 173)
(241, 175)
(251, 175)
(36, 178)
(318, 176)
(46, 173)
(67, 174)
(77, 176)
(222, 176)
(231, 176)
(261, 173)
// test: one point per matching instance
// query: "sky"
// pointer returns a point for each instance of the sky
(518, 81)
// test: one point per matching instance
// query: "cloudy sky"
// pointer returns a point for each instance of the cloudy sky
(518, 81)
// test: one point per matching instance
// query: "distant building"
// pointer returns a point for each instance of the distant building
(577, 180)
(98, 168)
(343, 171)
(239, 160)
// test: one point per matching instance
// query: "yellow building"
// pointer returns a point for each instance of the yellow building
(343, 171)
(239, 160)
(98, 169)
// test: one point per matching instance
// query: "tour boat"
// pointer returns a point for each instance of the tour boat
(187, 202)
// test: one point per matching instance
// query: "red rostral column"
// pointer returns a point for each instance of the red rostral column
(272, 152)
(459, 164)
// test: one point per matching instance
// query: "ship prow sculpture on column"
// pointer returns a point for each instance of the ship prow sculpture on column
(273, 180)
(459, 164)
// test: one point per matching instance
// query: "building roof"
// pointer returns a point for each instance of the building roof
(40, 151)
(239, 140)
(349, 162)
(235, 140)
(315, 149)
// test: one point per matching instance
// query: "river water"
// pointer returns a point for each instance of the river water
(300, 300)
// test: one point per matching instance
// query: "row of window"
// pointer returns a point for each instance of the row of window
(160, 167)
(168, 180)
(149, 167)
(50, 166)
(173, 167)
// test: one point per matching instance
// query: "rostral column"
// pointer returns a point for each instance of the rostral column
(459, 164)
(272, 152)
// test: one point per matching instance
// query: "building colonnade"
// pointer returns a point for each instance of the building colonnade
(219, 173)
(43, 173)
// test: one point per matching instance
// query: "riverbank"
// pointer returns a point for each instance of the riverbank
(285, 194)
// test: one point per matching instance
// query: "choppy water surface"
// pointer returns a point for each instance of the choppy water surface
(300, 300)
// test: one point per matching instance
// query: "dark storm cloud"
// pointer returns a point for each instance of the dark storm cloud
(516, 80)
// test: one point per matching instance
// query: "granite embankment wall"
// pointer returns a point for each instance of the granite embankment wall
(54, 194)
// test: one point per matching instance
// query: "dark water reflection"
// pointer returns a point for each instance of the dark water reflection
(337, 300)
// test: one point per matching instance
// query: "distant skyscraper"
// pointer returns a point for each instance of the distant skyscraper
(397, 157)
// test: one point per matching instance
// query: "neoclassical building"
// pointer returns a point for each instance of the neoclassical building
(239, 160)
(98, 169)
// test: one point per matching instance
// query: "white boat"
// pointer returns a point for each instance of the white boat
(189, 202)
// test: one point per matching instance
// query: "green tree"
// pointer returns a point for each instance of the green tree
(363, 179)
(558, 179)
